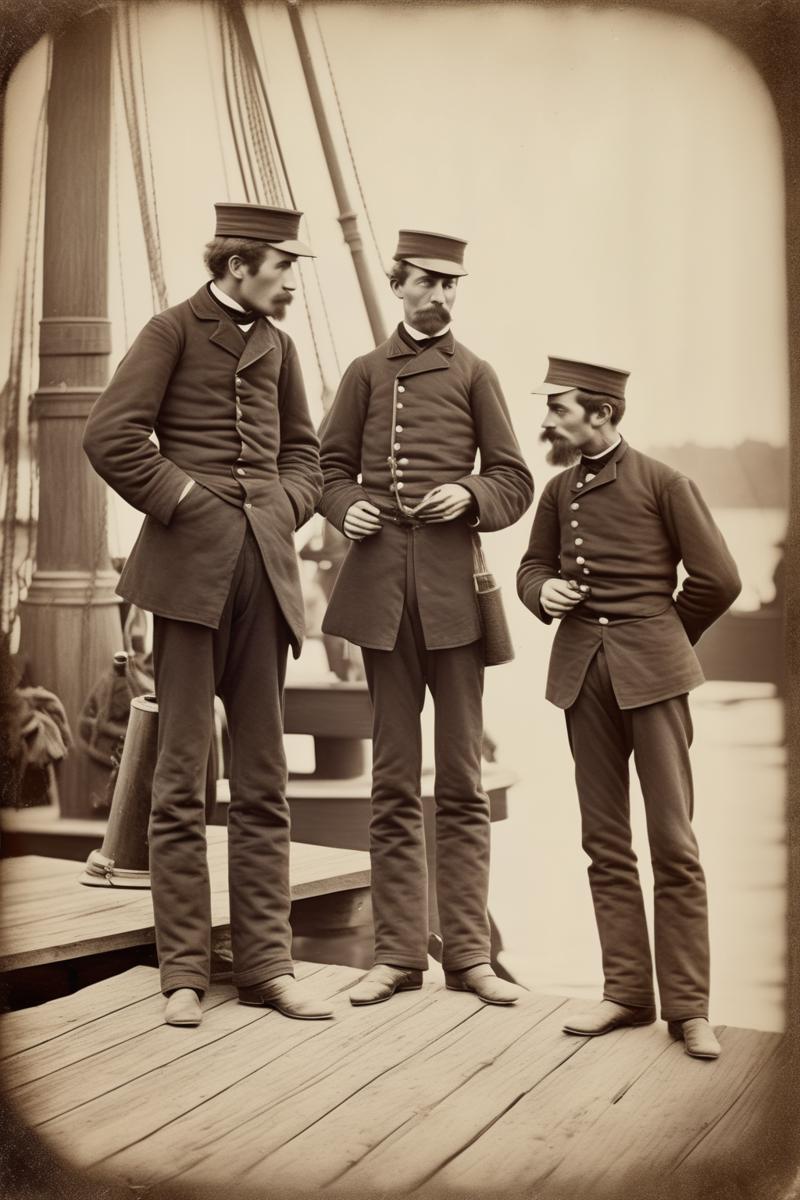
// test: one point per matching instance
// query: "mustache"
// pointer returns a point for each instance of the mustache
(547, 435)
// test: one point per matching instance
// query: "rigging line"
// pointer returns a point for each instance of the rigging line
(237, 96)
(247, 39)
(228, 105)
(347, 137)
(162, 283)
(12, 422)
(131, 116)
(212, 82)
(258, 134)
(248, 46)
(118, 223)
(250, 62)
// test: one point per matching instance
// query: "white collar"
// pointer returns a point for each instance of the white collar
(224, 298)
(607, 450)
(420, 337)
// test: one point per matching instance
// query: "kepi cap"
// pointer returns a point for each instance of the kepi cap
(565, 374)
(278, 226)
(431, 251)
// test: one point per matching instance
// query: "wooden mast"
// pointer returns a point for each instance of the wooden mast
(347, 217)
(70, 618)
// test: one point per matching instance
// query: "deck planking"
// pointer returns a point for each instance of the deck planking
(49, 916)
(431, 1093)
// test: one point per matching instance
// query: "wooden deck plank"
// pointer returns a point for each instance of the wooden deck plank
(29, 1027)
(184, 1068)
(91, 920)
(92, 1038)
(438, 1129)
(535, 1134)
(432, 1093)
(738, 1127)
(288, 1093)
(313, 1080)
(120, 1048)
(335, 1142)
(659, 1118)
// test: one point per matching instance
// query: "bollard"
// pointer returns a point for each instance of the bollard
(123, 859)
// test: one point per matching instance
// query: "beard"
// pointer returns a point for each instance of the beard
(561, 453)
(431, 320)
(277, 308)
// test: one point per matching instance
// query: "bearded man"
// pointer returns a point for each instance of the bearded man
(607, 538)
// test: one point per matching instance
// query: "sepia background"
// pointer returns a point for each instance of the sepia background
(618, 177)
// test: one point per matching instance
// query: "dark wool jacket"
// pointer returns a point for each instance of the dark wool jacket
(624, 533)
(229, 412)
(447, 407)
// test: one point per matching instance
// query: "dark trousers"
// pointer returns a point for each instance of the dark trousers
(397, 680)
(602, 737)
(244, 662)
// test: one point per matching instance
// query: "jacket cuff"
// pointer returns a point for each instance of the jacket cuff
(531, 598)
(296, 501)
(335, 510)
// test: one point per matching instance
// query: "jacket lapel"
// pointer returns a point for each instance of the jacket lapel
(607, 475)
(262, 339)
(435, 358)
(225, 333)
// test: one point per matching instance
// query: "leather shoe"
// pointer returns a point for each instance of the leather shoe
(484, 983)
(609, 1015)
(699, 1039)
(183, 1008)
(283, 994)
(382, 981)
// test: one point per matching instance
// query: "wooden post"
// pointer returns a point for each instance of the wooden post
(69, 619)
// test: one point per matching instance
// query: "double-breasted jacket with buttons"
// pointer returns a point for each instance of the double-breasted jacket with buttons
(623, 533)
(230, 413)
(430, 412)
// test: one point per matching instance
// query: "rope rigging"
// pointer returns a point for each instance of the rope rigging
(346, 133)
(130, 67)
(16, 562)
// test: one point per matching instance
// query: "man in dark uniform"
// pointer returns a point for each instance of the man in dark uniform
(607, 538)
(235, 472)
(398, 457)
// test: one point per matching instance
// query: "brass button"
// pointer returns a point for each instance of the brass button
(399, 473)
(586, 570)
(579, 484)
(575, 506)
(247, 504)
(399, 403)
(396, 446)
(403, 462)
(400, 387)
(240, 471)
(574, 524)
(602, 620)
(578, 541)
(398, 428)
(580, 559)
(589, 478)
(399, 486)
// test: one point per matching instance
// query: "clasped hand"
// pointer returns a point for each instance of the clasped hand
(558, 597)
(442, 503)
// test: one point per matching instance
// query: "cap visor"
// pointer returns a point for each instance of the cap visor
(553, 389)
(298, 248)
(440, 265)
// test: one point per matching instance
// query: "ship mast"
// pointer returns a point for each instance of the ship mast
(347, 216)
